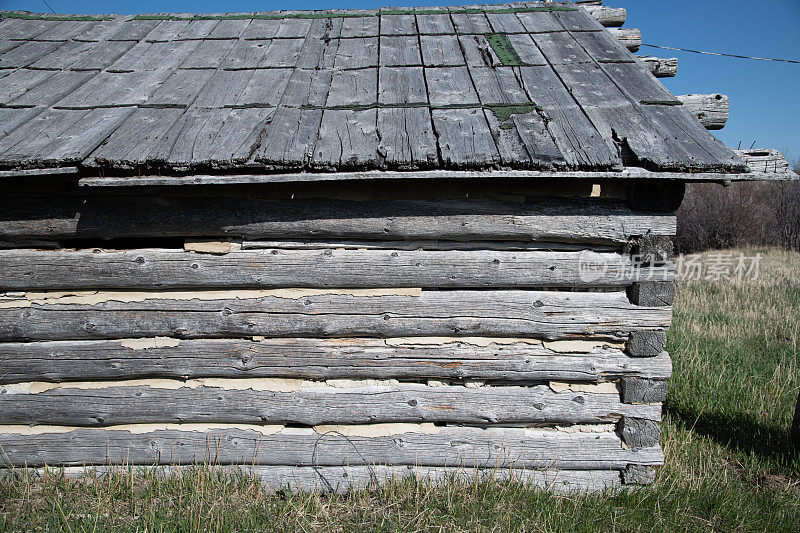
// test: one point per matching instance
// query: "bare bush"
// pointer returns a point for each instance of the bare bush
(758, 213)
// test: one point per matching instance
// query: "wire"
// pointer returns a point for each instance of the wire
(721, 54)
(48, 5)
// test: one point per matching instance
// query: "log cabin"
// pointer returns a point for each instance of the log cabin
(337, 247)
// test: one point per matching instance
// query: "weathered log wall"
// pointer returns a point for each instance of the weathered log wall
(332, 338)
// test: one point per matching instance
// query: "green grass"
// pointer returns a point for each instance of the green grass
(728, 466)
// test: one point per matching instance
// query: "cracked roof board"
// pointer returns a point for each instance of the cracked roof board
(149, 79)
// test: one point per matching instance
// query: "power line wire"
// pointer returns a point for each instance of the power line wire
(721, 54)
(48, 5)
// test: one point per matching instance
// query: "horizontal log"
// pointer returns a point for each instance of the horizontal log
(393, 444)
(608, 16)
(378, 175)
(335, 313)
(342, 479)
(765, 160)
(24, 173)
(631, 38)
(281, 402)
(320, 359)
(117, 216)
(279, 268)
(435, 245)
(712, 110)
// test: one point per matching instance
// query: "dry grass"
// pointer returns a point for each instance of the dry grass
(729, 464)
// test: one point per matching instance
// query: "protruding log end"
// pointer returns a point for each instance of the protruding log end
(646, 343)
(638, 475)
(643, 390)
(661, 67)
(611, 17)
(652, 293)
(631, 38)
(639, 433)
(712, 110)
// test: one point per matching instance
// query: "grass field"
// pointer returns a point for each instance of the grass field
(729, 464)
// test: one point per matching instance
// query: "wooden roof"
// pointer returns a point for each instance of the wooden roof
(527, 86)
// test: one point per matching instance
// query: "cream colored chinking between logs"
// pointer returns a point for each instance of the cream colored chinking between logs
(335, 247)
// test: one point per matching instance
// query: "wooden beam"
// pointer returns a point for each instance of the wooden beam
(294, 402)
(280, 268)
(631, 38)
(232, 179)
(31, 172)
(105, 216)
(711, 110)
(331, 446)
(549, 315)
(418, 358)
(660, 67)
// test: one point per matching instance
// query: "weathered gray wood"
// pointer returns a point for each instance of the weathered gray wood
(292, 176)
(638, 475)
(448, 446)
(440, 50)
(578, 140)
(660, 67)
(765, 160)
(643, 390)
(711, 110)
(276, 268)
(510, 313)
(434, 24)
(342, 479)
(358, 53)
(51, 90)
(90, 216)
(127, 147)
(631, 38)
(398, 24)
(640, 433)
(309, 244)
(471, 23)
(38, 172)
(347, 138)
(638, 84)
(647, 343)
(406, 138)
(26, 53)
(402, 85)
(399, 50)
(450, 84)
(463, 137)
(314, 405)
(612, 17)
(652, 293)
(321, 359)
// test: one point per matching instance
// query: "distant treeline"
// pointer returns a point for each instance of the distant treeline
(748, 213)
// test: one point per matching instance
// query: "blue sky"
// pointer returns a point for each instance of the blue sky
(764, 104)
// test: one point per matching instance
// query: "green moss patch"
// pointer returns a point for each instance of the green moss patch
(505, 51)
